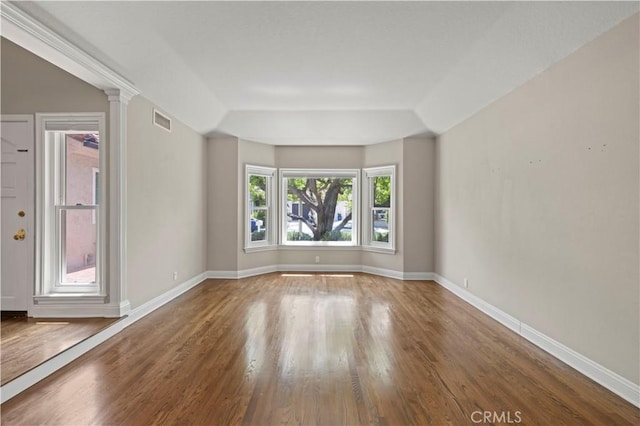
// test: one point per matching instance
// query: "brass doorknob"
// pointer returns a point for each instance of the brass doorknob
(20, 235)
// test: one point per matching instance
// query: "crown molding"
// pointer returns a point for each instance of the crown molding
(24, 30)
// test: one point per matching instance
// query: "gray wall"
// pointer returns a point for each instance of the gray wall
(166, 204)
(537, 202)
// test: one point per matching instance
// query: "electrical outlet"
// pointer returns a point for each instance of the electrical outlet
(175, 276)
(317, 259)
(466, 283)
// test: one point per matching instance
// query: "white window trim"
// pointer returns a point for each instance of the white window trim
(368, 242)
(269, 243)
(353, 174)
(48, 251)
(94, 172)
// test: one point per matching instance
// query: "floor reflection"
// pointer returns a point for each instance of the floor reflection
(379, 352)
(256, 339)
(318, 334)
(28, 342)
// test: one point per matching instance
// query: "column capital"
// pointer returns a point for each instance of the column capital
(119, 95)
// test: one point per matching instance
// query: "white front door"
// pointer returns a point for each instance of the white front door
(18, 211)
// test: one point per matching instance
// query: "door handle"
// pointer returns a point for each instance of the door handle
(20, 235)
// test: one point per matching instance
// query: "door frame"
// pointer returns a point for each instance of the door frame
(31, 191)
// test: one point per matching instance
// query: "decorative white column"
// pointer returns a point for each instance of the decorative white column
(117, 280)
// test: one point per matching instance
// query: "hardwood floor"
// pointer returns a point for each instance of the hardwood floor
(28, 342)
(334, 349)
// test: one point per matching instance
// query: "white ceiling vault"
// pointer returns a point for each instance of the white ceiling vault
(334, 73)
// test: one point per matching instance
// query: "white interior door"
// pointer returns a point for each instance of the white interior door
(18, 211)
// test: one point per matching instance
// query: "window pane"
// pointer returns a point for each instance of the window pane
(319, 209)
(257, 191)
(380, 225)
(81, 168)
(78, 234)
(382, 191)
(258, 223)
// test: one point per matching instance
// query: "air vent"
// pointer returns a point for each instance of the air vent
(161, 120)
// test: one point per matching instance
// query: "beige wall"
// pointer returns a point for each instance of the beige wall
(538, 202)
(30, 84)
(224, 209)
(418, 209)
(166, 204)
(319, 157)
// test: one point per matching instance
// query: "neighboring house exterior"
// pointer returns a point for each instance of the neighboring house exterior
(82, 182)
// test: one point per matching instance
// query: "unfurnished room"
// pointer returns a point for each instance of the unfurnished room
(320, 212)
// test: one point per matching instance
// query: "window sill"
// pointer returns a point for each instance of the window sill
(309, 247)
(318, 247)
(67, 297)
(374, 249)
(256, 249)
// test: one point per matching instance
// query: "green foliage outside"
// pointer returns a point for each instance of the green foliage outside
(260, 215)
(382, 191)
(320, 196)
(258, 194)
(298, 236)
(258, 190)
(382, 237)
(336, 236)
(258, 235)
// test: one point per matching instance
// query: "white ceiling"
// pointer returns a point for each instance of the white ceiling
(336, 73)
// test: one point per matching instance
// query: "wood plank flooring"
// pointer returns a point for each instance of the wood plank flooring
(334, 349)
(28, 342)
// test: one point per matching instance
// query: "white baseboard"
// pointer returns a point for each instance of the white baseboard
(495, 313)
(602, 375)
(77, 310)
(320, 268)
(596, 372)
(164, 298)
(234, 275)
(317, 267)
(33, 376)
(418, 276)
(389, 273)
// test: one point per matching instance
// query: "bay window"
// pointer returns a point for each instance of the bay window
(319, 207)
(259, 198)
(379, 208)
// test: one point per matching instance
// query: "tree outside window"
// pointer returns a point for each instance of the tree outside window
(320, 207)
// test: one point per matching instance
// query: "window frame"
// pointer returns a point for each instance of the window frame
(354, 174)
(49, 280)
(95, 174)
(368, 241)
(269, 243)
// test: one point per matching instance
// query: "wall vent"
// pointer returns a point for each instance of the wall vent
(161, 120)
